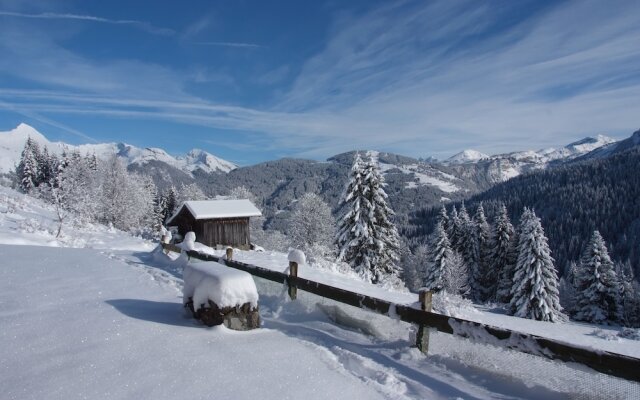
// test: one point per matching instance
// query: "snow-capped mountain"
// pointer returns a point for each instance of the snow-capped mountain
(615, 147)
(467, 156)
(500, 167)
(12, 143)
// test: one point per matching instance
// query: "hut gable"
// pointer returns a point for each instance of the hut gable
(216, 222)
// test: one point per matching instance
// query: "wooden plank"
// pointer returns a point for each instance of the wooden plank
(602, 361)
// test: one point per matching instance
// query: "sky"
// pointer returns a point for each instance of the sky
(251, 81)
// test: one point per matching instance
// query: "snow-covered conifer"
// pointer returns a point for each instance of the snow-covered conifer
(469, 249)
(534, 293)
(28, 170)
(443, 218)
(629, 294)
(440, 259)
(455, 230)
(502, 244)
(367, 239)
(171, 203)
(568, 292)
(597, 284)
(485, 275)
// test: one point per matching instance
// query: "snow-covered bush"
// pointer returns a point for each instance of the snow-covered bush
(311, 226)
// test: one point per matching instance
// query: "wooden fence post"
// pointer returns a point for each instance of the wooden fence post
(229, 253)
(293, 273)
(422, 339)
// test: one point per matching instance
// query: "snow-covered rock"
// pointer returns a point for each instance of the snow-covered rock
(226, 287)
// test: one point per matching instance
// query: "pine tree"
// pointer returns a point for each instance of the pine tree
(441, 261)
(444, 218)
(469, 249)
(502, 248)
(455, 230)
(171, 203)
(597, 284)
(629, 294)
(28, 170)
(568, 291)
(534, 293)
(159, 210)
(486, 275)
(367, 239)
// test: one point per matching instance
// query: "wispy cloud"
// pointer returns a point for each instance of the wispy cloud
(45, 120)
(231, 44)
(143, 25)
(423, 78)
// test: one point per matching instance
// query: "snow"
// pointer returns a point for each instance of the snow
(424, 175)
(297, 256)
(105, 320)
(205, 209)
(12, 143)
(227, 287)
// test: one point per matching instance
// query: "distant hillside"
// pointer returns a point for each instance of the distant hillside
(572, 200)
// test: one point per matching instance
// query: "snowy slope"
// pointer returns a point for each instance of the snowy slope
(99, 323)
(12, 143)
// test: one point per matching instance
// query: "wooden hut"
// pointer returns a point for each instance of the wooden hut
(216, 222)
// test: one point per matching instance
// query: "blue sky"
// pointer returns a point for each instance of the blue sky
(253, 80)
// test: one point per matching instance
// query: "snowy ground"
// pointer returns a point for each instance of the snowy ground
(105, 320)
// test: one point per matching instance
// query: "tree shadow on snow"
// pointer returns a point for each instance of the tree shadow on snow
(154, 311)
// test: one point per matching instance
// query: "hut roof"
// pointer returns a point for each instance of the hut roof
(209, 209)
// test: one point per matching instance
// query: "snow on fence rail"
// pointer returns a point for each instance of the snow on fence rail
(613, 364)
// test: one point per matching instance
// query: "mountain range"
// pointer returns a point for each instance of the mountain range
(411, 183)
(12, 143)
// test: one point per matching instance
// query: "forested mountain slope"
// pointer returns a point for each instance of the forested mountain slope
(572, 200)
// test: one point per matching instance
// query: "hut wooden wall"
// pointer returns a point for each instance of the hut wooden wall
(185, 223)
(228, 232)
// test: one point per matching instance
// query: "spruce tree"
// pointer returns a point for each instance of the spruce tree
(485, 273)
(440, 259)
(171, 203)
(597, 284)
(28, 169)
(444, 218)
(534, 293)
(470, 251)
(568, 291)
(501, 254)
(367, 239)
(455, 230)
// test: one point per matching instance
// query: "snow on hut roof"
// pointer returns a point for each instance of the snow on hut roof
(208, 209)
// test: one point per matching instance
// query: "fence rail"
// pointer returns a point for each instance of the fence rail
(613, 364)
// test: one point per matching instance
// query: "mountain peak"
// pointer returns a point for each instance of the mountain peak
(467, 156)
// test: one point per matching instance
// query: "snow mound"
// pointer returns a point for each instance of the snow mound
(227, 287)
(189, 242)
(297, 256)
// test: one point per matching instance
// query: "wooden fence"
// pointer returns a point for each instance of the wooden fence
(613, 364)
